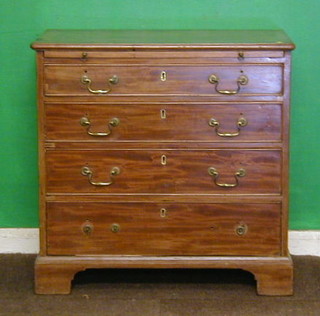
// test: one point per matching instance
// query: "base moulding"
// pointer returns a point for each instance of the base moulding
(53, 275)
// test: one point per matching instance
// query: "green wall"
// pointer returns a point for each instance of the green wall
(21, 21)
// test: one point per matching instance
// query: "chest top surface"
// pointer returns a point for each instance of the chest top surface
(202, 39)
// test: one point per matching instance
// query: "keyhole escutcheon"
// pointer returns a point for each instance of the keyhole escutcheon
(163, 160)
(163, 114)
(163, 76)
(163, 212)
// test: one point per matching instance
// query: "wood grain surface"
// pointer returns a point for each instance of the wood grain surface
(186, 171)
(145, 80)
(206, 229)
(145, 122)
(164, 39)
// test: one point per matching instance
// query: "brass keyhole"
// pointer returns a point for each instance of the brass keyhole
(163, 76)
(163, 114)
(163, 160)
(163, 212)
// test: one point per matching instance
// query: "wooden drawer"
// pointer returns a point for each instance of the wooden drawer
(165, 122)
(163, 229)
(92, 56)
(66, 80)
(254, 171)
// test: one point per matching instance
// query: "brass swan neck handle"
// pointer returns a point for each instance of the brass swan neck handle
(84, 121)
(241, 81)
(88, 83)
(86, 171)
(215, 175)
(242, 122)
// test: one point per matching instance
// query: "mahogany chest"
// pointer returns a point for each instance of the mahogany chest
(163, 149)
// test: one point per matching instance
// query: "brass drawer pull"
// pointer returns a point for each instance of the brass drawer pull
(241, 55)
(115, 228)
(241, 229)
(241, 81)
(87, 81)
(112, 123)
(215, 175)
(87, 227)
(86, 171)
(242, 121)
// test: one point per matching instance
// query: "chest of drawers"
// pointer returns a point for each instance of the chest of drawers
(163, 149)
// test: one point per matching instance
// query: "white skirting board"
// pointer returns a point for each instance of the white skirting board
(26, 240)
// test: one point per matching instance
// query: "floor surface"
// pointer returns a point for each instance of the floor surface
(157, 292)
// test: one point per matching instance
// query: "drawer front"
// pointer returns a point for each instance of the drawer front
(163, 229)
(107, 56)
(78, 80)
(164, 171)
(167, 122)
